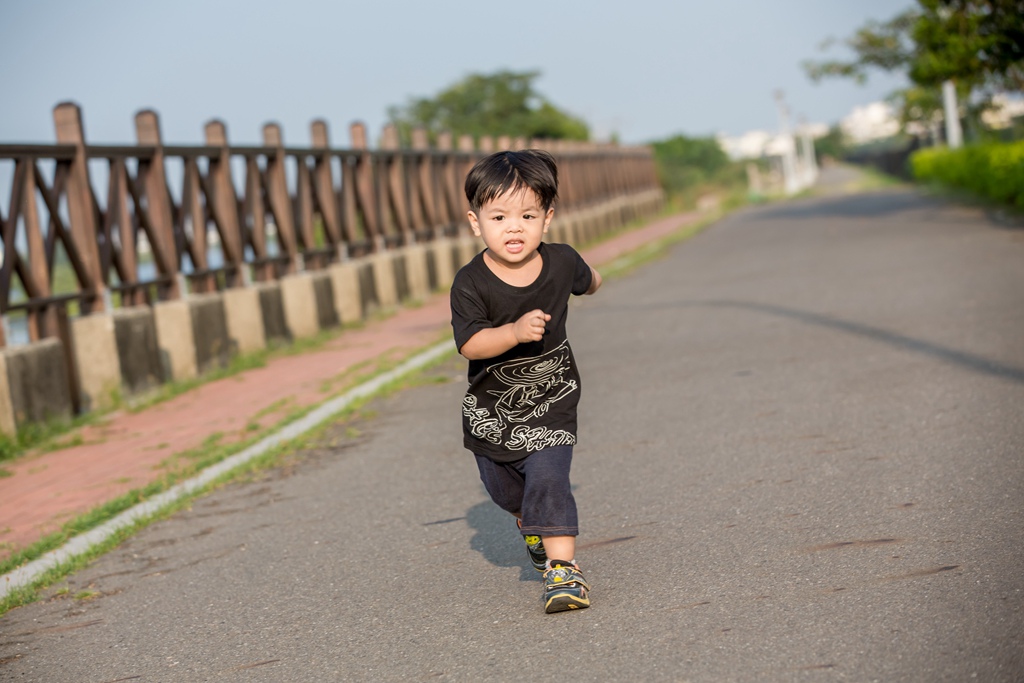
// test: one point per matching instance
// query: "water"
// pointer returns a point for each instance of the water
(15, 323)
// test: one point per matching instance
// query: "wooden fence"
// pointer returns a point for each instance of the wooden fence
(263, 211)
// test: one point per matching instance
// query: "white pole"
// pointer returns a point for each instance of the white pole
(954, 135)
(810, 162)
(789, 179)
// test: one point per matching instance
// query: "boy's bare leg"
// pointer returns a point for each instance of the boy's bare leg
(560, 547)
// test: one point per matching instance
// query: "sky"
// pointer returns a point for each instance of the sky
(642, 69)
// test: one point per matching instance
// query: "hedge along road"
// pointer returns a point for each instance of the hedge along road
(800, 459)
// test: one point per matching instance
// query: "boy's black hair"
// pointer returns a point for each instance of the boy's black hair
(496, 174)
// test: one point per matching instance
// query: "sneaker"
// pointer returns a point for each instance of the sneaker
(535, 547)
(565, 588)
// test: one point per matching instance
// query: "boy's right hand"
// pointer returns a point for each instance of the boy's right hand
(530, 327)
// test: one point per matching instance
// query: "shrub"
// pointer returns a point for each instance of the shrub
(992, 170)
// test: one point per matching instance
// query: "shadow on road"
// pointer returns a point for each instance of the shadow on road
(498, 540)
(885, 203)
(882, 203)
(962, 359)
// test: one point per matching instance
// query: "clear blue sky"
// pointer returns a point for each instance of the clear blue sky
(646, 69)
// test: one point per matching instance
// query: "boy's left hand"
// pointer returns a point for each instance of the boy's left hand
(530, 327)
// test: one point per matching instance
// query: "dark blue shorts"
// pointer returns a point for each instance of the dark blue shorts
(535, 488)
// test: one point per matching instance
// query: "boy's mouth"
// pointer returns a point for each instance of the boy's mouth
(514, 246)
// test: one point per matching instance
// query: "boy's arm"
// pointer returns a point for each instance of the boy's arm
(595, 281)
(495, 341)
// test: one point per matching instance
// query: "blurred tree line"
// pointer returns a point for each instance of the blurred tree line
(502, 103)
(690, 167)
(509, 103)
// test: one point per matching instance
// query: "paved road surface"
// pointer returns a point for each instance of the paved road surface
(802, 459)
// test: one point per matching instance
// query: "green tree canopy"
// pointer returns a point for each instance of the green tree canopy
(977, 44)
(973, 42)
(502, 103)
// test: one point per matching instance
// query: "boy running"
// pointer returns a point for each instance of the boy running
(509, 308)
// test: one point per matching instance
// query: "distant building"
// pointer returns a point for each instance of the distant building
(874, 121)
(759, 143)
(1005, 109)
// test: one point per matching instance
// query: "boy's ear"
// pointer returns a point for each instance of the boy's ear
(547, 218)
(474, 222)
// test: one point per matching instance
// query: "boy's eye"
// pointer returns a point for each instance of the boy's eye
(528, 216)
(498, 218)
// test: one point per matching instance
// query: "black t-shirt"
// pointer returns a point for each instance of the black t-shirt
(525, 399)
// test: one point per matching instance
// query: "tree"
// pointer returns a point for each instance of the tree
(833, 144)
(684, 162)
(980, 42)
(502, 103)
(977, 44)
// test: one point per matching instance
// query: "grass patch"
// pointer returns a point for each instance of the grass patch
(44, 436)
(873, 179)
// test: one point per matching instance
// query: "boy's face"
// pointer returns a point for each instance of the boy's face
(512, 226)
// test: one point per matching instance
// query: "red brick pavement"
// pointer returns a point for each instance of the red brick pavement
(127, 451)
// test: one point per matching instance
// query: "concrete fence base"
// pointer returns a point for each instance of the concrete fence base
(138, 353)
(348, 299)
(176, 340)
(35, 382)
(94, 349)
(244, 319)
(133, 350)
(298, 302)
(385, 279)
(210, 336)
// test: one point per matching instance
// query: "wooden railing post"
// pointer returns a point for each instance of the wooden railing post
(303, 210)
(450, 188)
(365, 186)
(280, 200)
(466, 146)
(223, 203)
(67, 118)
(426, 189)
(42, 322)
(396, 190)
(153, 175)
(324, 186)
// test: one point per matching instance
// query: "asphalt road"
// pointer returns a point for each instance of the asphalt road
(801, 459)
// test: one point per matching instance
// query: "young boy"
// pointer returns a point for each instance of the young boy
(509, 307)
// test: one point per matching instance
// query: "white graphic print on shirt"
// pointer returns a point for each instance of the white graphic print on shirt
(533, 385)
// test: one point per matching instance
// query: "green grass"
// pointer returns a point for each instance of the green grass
(44, 436)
